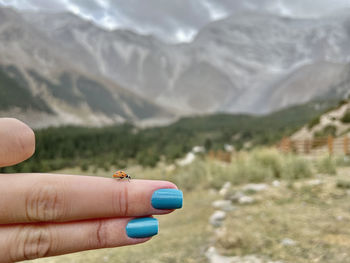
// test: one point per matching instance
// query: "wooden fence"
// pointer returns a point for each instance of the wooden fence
(330, 145)
(220, 155)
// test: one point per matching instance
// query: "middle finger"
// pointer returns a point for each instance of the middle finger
(60, 198)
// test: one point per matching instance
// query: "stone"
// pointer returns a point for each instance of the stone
(188, 159)
(287, 242)
(225, 205)
(224, 189)
(236, 196)
(276, 183)
(244, 200)
(255, 187)
(217, 218)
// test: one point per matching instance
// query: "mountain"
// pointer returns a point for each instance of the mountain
(246, 63)
(249, 62)
(40, 83)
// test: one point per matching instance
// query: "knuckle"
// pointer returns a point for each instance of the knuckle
(45, 203)
(33, 242)
(122, 204)
(101, 236)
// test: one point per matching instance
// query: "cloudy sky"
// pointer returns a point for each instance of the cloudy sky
(174, 20)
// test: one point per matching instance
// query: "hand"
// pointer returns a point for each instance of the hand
(47, 214)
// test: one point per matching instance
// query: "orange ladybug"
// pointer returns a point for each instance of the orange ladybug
(121, 175)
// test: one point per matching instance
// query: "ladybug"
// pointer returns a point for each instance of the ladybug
(121, 175)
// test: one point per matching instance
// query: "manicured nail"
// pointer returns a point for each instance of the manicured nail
(167, 199)
(142, 227)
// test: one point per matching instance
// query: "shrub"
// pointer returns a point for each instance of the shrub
(343, 161)
(344, 184)
(329, 130)
(326, 165)
(314, 122)
(260, 165)
(296, 168)
(84, 167)
(346, 117)
(269, 159)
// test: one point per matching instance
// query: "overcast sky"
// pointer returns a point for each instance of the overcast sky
(174, 20)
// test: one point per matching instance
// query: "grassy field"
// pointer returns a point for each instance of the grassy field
(314, 214)
(310, 206)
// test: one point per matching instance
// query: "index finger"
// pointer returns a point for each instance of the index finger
(17, 141)
(60, 198)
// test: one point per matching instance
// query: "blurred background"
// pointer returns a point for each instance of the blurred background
(243, 104)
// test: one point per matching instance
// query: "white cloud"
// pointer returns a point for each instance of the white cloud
(177, 20)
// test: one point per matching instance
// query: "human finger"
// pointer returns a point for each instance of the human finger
(61, 198)
(17, 142)
(31, 241)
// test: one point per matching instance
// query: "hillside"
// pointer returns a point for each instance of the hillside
(123, 144)
(33, 66)
(335, 122)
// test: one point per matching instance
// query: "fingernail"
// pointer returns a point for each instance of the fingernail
(167, 199)
(142, 227)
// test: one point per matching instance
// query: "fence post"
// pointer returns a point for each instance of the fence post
(346, 145)
(285, 145)
(330, 145)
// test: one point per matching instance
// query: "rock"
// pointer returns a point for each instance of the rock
(224, 189)
(276, 183)
(288, 242)
(188, 159)
(244, 200)
(225, 205)
(217, 218)
(198, 149)
(236, 196)
(255, 187)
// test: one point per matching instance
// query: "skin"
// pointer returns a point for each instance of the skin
(45, 215)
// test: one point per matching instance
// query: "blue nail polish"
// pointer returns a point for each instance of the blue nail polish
(142, 227)
(167, 199)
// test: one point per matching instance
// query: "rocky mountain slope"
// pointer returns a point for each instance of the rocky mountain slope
(335, 122)
(250, 62)
(44, 87)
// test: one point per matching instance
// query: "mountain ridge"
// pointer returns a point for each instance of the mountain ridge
(247, 63)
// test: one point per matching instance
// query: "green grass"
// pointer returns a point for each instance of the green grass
(326, 165)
